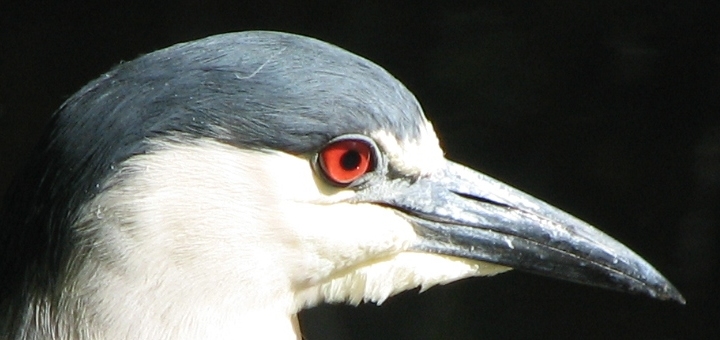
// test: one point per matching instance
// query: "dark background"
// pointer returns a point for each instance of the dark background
(609, 110)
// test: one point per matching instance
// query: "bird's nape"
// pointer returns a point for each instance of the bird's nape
(213, 189)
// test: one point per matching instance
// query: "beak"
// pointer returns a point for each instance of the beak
(463, 213)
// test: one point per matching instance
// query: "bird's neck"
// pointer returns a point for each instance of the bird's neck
(159, 258)
(132, 319)
(141, 297)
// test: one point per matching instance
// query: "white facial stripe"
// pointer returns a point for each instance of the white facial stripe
(413, 157)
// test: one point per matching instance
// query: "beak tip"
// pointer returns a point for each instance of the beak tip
(650, 283)
(670, 293)
(658, 287)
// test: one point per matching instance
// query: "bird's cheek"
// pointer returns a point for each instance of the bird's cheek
(340, 237)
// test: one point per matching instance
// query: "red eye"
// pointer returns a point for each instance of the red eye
(346, 160)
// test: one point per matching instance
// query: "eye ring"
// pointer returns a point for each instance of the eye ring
(345, 159)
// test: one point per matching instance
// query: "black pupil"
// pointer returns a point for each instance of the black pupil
(350, 160)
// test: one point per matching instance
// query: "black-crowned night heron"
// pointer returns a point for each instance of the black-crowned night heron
(213, 189)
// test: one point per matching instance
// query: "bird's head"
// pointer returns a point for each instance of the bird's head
(267, 169)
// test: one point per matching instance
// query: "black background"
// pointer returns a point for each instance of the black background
(609, 110)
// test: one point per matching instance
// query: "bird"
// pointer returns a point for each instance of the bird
(215, 188)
